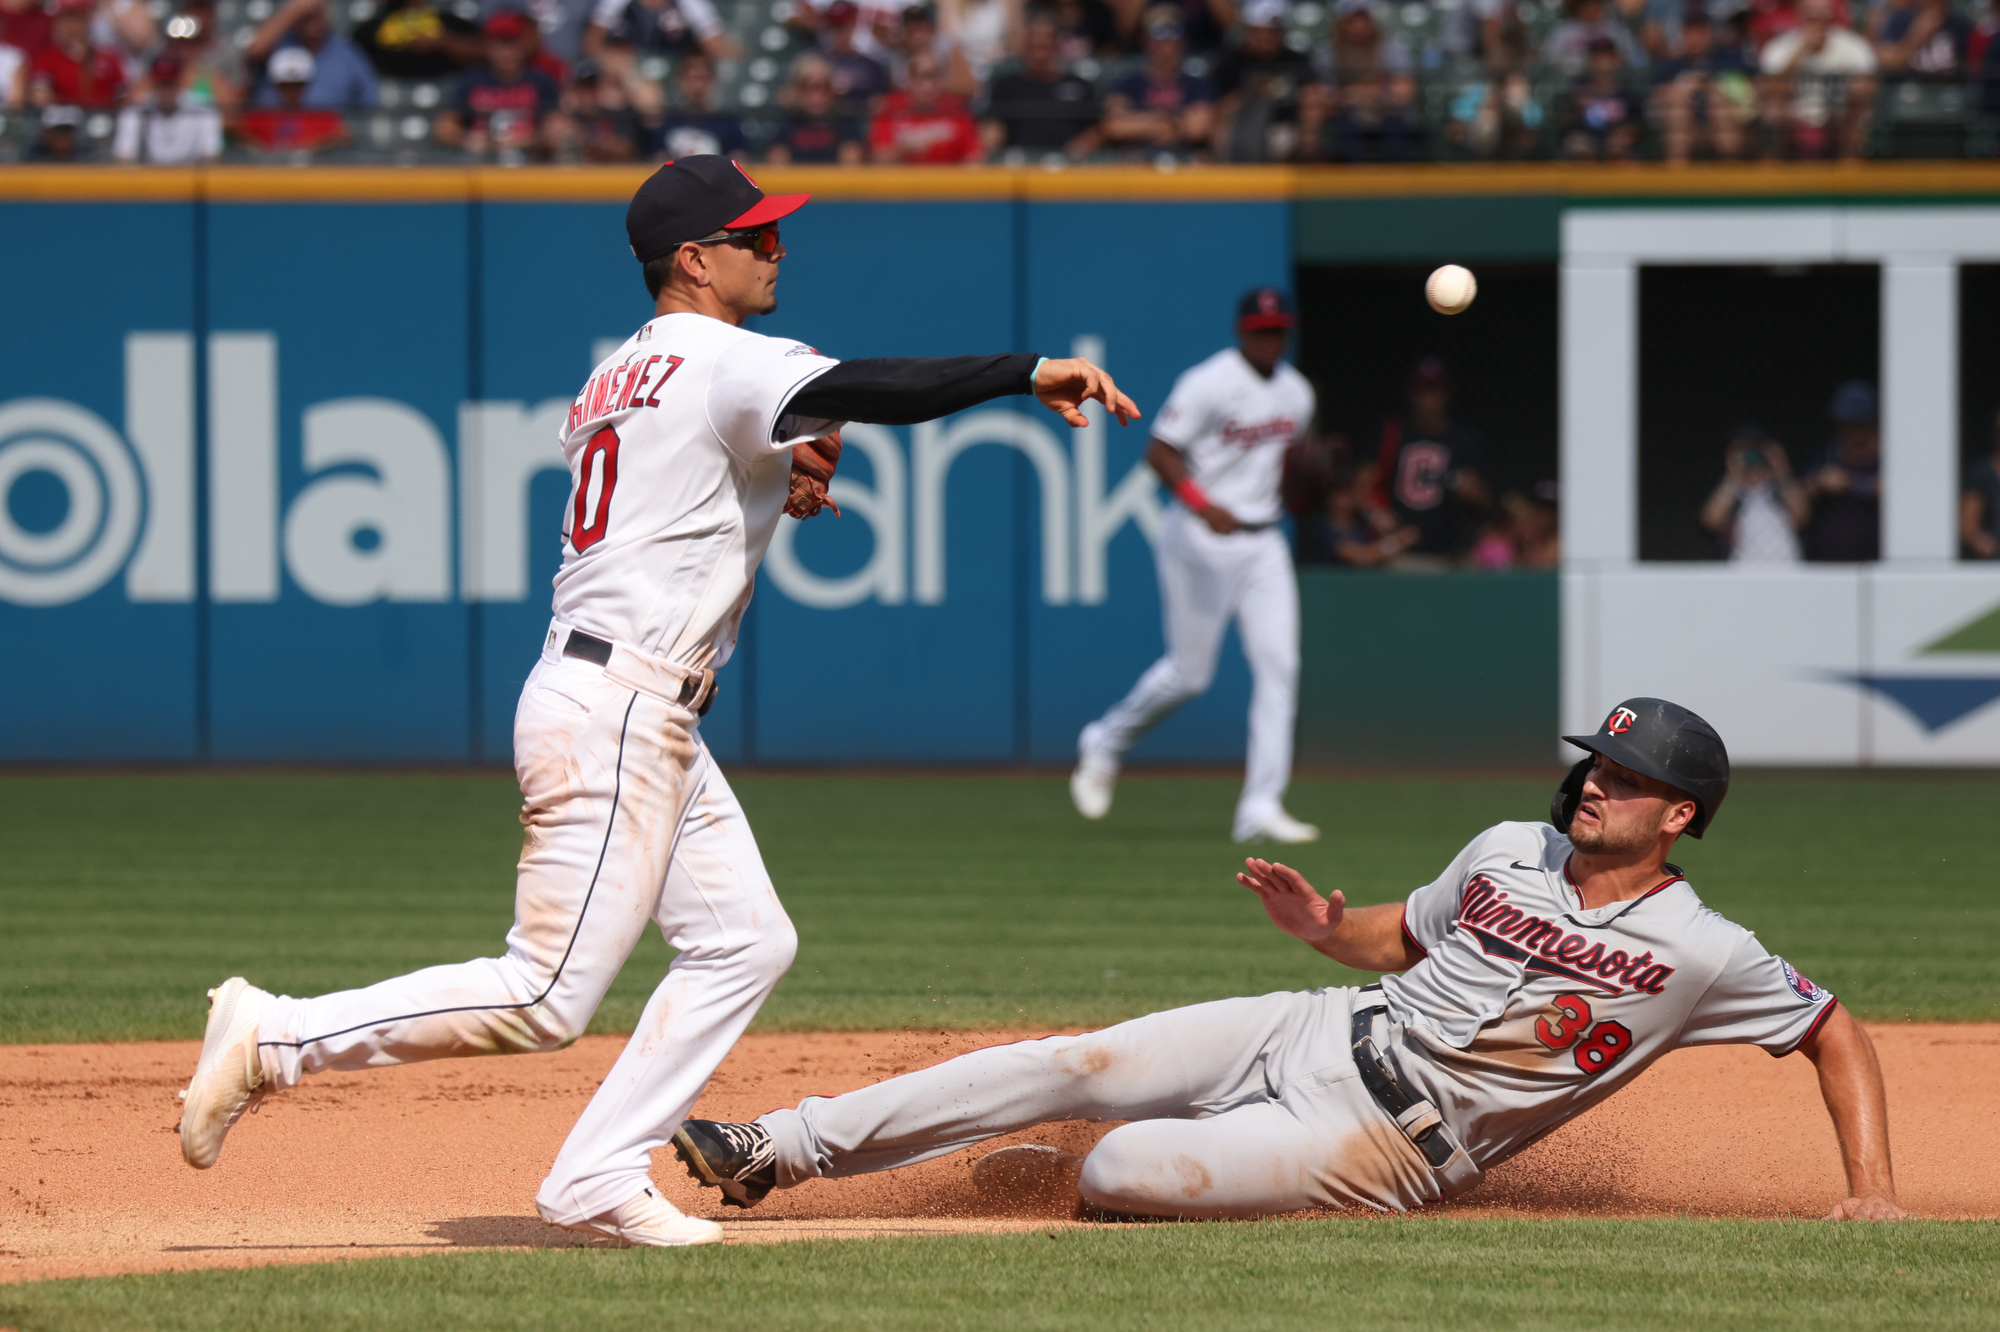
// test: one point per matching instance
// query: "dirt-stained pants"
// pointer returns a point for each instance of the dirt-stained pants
(628, 821)
(1244, 1107)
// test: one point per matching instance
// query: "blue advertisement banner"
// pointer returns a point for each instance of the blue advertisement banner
(278, 482)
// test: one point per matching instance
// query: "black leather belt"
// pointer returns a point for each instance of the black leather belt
(1389, 1091)
(588, 647)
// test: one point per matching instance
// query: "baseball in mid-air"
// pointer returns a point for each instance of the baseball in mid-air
(1451, 289)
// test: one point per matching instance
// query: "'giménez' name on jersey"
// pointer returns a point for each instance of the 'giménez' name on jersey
(679, 451)
(1528, 1009)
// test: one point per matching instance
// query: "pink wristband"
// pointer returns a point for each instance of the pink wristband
(1192, 495)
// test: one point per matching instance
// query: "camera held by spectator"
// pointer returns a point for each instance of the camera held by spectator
(1758, 507)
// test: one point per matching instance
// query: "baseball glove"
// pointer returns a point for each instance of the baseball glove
(812, 469)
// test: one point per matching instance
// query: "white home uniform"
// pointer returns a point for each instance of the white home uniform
(1232, 425)
(679, 456)
(1525, 1011)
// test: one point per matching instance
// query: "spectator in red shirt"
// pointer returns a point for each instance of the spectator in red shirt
(291, 126)
(69, 71)
(24, 25)
(923, 125)
(501, 107)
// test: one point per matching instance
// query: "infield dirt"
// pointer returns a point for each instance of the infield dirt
(445, 1156)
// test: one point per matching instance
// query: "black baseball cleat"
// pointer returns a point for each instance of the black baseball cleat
(739, 1159)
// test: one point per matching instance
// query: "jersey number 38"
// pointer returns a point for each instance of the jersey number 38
(1595, 1048)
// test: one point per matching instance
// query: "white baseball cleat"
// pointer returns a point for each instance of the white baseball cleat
(650, 1221)
(229, 1074)
(1281, 827)
(1090, 788)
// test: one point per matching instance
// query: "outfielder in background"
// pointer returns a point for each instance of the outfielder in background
(1547, 967)
(684, 447)
(1219, 444)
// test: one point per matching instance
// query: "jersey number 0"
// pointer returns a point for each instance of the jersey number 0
(600, 457)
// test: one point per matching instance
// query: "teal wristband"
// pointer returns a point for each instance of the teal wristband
(1035, 373)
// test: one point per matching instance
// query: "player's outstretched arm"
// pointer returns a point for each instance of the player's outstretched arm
(1064, 385)
(1365, 938)
(903, 390)
(1850, 1078)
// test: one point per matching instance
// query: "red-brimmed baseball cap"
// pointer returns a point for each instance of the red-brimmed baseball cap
(694, 197)
(1266, 307)
(507, 26)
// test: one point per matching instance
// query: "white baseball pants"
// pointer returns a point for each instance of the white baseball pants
(1205, 580)
(628, 821)
(1243, 1107)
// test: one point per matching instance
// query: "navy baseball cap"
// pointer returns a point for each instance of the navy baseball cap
(695, 197)
(1266, 307)
(1854, 402)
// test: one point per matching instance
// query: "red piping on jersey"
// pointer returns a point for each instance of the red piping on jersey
(1570, 879)
(1833, 1002)
(1404, 922)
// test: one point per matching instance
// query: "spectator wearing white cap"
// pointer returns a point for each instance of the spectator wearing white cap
(59, 140)
(292, 127)
(341, 76)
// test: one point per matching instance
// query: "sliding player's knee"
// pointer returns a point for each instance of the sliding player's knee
(1126, 1172)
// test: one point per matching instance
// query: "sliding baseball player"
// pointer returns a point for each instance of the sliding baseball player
(1547, 967)
(1219, 444)
(684, 448)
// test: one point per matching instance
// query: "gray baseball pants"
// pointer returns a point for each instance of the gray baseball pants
(1242, 1107)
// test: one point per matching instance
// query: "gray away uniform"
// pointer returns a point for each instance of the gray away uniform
(1525, 1011)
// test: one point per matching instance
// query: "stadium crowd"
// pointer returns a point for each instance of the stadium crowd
(1415, 494)
(848, 81)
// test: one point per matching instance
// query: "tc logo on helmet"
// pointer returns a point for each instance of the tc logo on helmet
(1620, 721)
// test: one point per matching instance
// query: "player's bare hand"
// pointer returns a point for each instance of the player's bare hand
(1063, 386)
(1292, 904)
(1220, 520)
(1873, 1207)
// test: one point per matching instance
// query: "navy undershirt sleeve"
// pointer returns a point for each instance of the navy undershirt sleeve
(903, 390)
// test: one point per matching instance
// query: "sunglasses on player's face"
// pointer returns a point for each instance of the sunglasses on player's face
(763, 240)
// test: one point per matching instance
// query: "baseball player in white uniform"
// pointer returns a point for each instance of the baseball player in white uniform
(684, 447)
(1543, 970)
(1219, 444)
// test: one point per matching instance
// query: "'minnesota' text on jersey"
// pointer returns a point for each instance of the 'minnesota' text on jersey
(1527, 1009)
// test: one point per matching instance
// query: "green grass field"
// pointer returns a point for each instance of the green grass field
(1416, 1273)
(971, 901)
(957, 901)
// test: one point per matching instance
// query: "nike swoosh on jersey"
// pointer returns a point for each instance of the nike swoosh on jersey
(1518, 865)
(1494, 946)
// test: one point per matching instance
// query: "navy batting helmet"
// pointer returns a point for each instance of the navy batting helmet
(1656, 739)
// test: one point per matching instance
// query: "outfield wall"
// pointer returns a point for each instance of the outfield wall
(294, 495)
